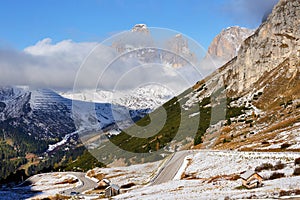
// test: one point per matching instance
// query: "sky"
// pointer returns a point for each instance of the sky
(26, 22)
(44, 43)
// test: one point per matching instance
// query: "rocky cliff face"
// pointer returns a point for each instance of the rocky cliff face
(225, 45)
(273, 43)
(276, 41)
(263, 81)
(139, 43)
(181, 54)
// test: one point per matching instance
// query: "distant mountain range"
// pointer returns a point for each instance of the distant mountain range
(43, 123)
(222, 49)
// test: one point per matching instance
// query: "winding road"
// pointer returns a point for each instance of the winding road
(170, 169)
(166, 173)
(87, 184)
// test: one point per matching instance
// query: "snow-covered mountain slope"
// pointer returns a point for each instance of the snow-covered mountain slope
(41, 113)
(46, 126)
(44, 114)
(147, 97)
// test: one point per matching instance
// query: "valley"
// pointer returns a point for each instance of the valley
(228, 129)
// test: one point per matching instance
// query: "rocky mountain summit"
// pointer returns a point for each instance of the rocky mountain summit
(178, 53)
(225, 45)
(141, 28)
(139, 43)
(274, 44)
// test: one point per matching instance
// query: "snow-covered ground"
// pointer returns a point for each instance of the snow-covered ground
(209, 175)
(53, 183)
(43, 185)
(206, 164)
(198, 189)
(203, 175)
(60, 143)
(137, 174)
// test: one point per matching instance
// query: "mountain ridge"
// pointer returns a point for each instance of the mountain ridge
(250, 103)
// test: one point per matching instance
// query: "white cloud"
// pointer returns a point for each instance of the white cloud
(44, 64)
(67, 64)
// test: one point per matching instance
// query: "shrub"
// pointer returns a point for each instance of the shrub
(264, 166)
(297, 171)
(276, 175)
(229, 122)
(297, 161)
(198, 140)
(241, 188)
(289, 193)
(265, 142)
(279, 165)
(225, 140)
(285, 145)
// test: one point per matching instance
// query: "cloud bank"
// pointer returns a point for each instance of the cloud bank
(68, 65)
(44, 64)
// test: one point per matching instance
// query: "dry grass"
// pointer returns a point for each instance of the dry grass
(93, 174)
(67, 181)
(198, 84)
(289, 192)
(281, 125)
(231, 177)
(226, 129)
(56, 197)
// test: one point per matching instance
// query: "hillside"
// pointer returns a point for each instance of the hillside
(251, 103)
(39, 130)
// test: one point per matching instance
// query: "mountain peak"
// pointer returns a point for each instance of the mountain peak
(141, 28)
(226, 45)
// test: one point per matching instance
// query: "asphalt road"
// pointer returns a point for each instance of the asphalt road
(87, 184)
(171, 168)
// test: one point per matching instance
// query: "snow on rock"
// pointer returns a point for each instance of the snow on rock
(60, 143)
(146, 97)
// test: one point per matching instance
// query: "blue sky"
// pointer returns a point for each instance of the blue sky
(26, 22)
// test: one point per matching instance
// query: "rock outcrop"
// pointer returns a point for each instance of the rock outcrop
(225, 45)
(139, 43)
(275, 42)
(178, 53)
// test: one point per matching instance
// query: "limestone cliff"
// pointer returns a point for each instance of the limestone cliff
(226, 44)
(275, 42)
